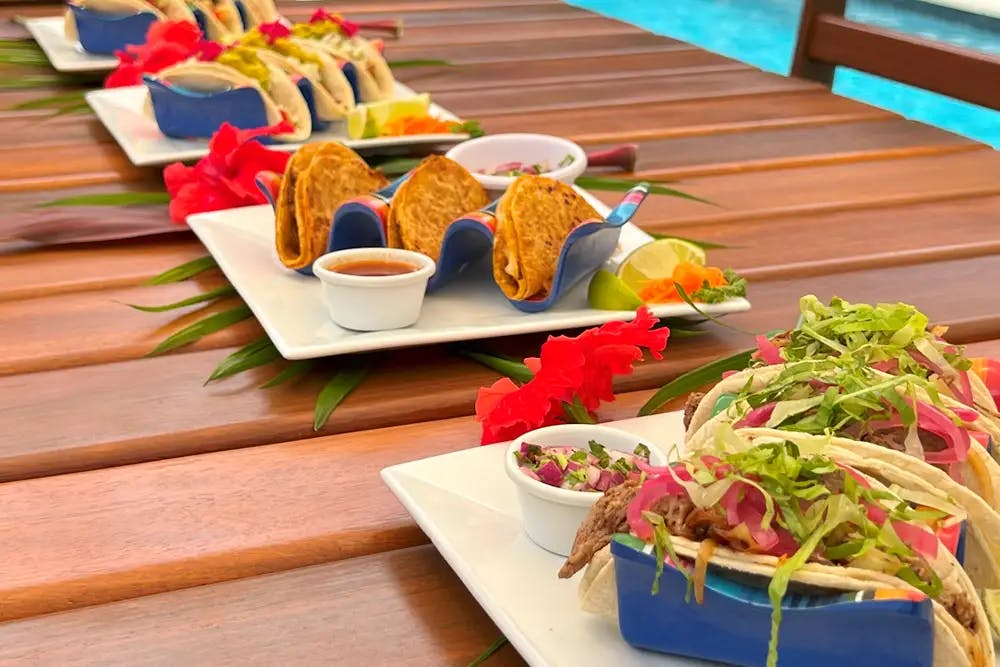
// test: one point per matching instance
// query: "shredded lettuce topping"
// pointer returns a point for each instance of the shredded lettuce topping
(735, 286)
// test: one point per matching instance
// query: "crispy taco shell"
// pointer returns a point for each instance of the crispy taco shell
(437, 192)
(534, 217)
(318, 179)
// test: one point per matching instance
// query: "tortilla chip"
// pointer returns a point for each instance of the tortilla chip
(534, 217)
(319, 178)
(437, 192)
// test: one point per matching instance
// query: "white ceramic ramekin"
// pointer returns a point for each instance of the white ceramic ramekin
(493, 150)
(552, 515)
(374, 303)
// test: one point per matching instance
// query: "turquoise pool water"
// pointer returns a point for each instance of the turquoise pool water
(762, 33)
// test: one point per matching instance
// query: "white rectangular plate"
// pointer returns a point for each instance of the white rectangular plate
(65, 55)
(122, 110)
(466, 505)
(290, 306)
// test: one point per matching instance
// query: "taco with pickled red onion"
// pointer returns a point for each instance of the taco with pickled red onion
(534, 217)
(243, 67)
(787, 513)
(893, 338)
(375, 80)
(318, 179)
(434, 195)
(332, 92)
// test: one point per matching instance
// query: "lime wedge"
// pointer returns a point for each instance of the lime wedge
(658, 259)
(991, 602)
(389, 110)
(357, 123)
(608, 292)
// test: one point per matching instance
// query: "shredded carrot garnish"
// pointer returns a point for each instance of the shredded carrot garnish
(418, 125)
(688, 275)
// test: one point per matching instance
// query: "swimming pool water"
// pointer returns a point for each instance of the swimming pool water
(762, 33)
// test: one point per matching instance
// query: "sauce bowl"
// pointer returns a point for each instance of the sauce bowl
(374, 303)
(552, 515)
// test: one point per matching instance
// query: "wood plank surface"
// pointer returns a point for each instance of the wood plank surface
(331, 614)
(136, 530)
(176, 488)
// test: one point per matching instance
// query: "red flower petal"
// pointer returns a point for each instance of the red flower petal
(275, 30)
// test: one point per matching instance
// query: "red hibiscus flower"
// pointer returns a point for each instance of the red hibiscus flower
(167, 43)
(225, 177)
(349, 28)
(274, 30)
(576, 372)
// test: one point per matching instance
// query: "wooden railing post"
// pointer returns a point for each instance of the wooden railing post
(802, 65)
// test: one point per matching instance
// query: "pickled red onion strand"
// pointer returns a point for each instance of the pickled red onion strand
(917, 538)
(756, 417)
(768, 351)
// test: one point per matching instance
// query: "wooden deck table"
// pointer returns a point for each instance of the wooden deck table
(146, 519)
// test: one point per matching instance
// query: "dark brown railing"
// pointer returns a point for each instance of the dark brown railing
(827, 40)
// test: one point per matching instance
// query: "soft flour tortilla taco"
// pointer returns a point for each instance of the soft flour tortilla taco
(318, 179)
(902, 412)
(221, 18)
(788, 513)
(436, 193)
(375, 79)
(534, 217)
(241, 67)
(332, 92)
(260, 11)
(893, 338)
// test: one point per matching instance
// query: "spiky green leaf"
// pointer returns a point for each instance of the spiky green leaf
(218, 292)
(337, 389)
(111, 199)
(515, 370)
(256, 353)
(625, 184)
(699, 377)
(293, 370)
(202, 328)
(185, 271)
(491, 649)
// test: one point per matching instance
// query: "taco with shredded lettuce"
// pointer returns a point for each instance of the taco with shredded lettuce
(318, 179)
(434, 195)
(327, 32)
(244, 67)
(759, 507)
(533, 220)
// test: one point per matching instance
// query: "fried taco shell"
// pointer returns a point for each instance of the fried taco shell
(319, 178)
(534, 217)
(437, 192)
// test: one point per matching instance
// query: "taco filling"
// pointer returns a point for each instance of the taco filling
(776, 504)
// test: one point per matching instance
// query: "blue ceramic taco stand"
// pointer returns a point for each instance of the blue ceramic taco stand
(106, 33)
(733, 624)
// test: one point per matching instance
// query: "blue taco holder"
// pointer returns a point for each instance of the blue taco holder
(104, 33)
(469, 238)
(244, 16)
(186, 114)
(350, 72)
(733, 624)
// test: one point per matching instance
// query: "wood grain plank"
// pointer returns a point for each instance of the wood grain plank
(588, 45)
(66, 163)
(35, 336)
(85, 266)
(776, 148)
(633, 122)
(338, 611)
(478, 76)
(133, 426)
(821, 189)
(476, 33)
(124, 532)
(573, 96)
(449, 16)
